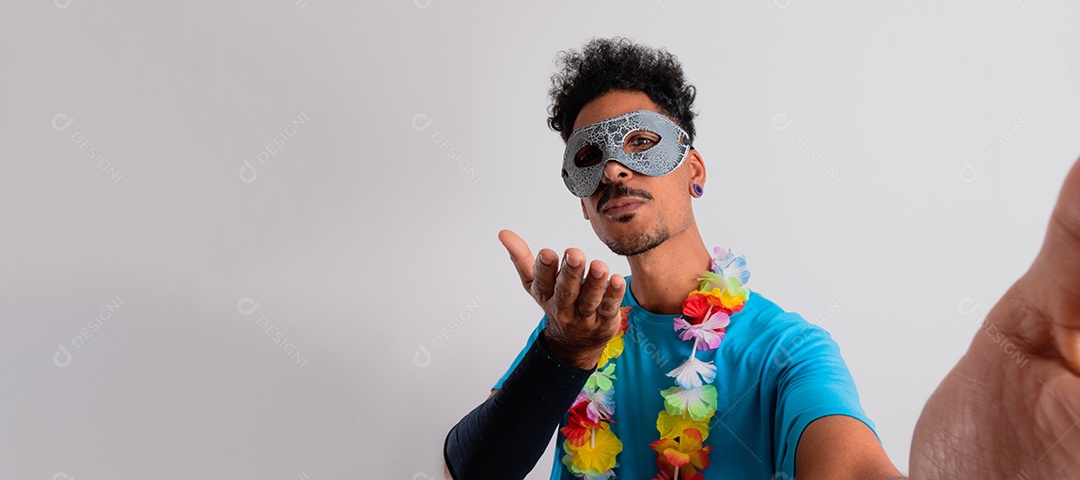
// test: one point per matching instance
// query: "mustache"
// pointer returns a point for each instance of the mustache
(617, 191)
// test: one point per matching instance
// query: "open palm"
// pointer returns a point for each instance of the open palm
(1010, 409)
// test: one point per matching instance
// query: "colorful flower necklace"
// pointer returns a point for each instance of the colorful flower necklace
(591, 447)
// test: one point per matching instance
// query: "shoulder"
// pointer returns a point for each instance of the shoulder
(763, 316)
(765, 325)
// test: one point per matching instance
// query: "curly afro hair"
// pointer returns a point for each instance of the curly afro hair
(618, 63)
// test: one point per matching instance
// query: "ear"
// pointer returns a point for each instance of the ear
(584, 211)
(697, 167)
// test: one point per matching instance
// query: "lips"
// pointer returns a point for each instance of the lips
(623, 205)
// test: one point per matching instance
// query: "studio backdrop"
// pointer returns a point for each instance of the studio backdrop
(258, 239)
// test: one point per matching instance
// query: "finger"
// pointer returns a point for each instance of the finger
(613, 297)
(1054, 274)
(544, 271)
(592, 291)
(569, 282)
(520, 255)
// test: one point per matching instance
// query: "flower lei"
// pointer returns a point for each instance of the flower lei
(591, 447)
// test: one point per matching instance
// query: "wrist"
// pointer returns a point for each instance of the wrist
(575, 357)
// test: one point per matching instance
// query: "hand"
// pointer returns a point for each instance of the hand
(582, 317)
(1009, 409)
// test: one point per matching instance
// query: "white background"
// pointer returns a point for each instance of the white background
(926, 146)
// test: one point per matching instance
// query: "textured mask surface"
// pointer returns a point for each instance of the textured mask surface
(609, 136)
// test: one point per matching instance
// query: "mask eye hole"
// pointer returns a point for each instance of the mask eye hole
(588, 156)
(639, 141)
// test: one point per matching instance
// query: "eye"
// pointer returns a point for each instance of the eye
(640, 141)
(588, 156)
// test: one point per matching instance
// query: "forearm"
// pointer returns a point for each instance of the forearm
(506, 435)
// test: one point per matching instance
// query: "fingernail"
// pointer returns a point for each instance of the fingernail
(541, 259)
(573, 262)
(598, 273)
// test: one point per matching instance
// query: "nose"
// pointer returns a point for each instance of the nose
(614, 170)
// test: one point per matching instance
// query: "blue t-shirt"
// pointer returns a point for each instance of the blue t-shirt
(776, 373)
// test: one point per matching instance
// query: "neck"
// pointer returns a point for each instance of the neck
(663, 276)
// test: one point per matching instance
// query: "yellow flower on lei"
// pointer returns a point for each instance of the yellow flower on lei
(671, 426)
(595, 455)
(613, 349)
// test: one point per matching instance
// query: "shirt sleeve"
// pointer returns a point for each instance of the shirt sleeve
(812, 382)
(532, 338)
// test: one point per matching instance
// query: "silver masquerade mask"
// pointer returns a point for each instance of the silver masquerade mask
(644, 141)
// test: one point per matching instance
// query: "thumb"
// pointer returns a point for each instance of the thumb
(1050, 289)
(1055, 273)
(520, 255)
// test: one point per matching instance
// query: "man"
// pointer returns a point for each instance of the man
(768, 395)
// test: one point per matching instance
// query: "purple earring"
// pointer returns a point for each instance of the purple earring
(698, 190)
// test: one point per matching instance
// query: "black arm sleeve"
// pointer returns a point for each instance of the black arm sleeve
(505, 436)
